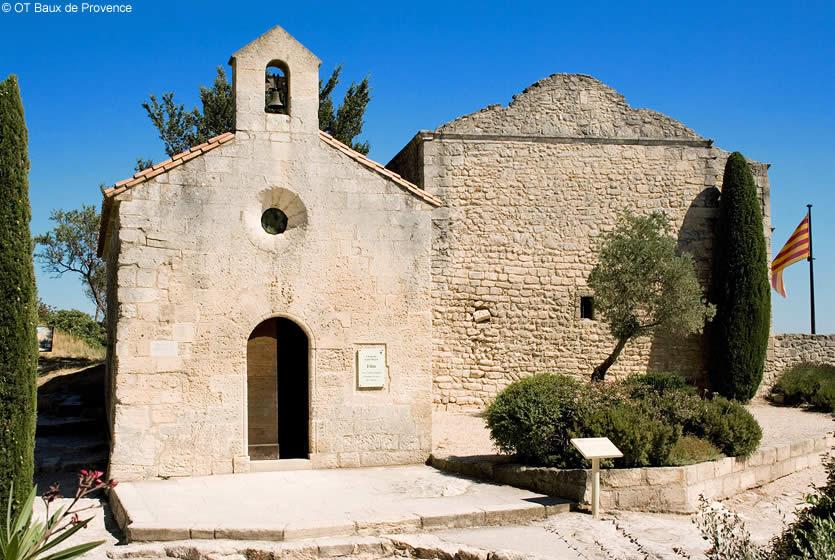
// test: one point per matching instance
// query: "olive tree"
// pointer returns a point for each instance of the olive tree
(643, 283)
(70, 246)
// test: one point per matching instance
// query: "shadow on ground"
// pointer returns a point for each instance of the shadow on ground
(47, 366)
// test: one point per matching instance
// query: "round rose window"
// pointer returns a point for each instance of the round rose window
(274, 221)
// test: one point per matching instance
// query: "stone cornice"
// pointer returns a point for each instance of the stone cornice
(429, 136)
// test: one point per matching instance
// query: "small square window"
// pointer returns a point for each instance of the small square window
(586, 307)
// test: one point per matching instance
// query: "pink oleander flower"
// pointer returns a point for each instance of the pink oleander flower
(31, 540)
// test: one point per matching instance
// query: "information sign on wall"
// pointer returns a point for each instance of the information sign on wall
(371, 367)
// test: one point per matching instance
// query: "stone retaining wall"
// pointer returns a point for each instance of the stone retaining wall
(786, 350)
(656, 489)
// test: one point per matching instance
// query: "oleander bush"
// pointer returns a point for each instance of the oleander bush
(654, 419)
(806, 384)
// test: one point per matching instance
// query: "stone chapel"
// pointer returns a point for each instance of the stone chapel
(278, 300)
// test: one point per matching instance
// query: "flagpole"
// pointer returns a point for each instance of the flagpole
(811, 270)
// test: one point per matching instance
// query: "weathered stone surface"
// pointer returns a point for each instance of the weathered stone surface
(526, 190)
(786, 350)
(193, 273)
(467, 297)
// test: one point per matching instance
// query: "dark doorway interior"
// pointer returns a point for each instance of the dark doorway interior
(277, 391)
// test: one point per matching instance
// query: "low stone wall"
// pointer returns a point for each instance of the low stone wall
(786, 350)
(657, 489)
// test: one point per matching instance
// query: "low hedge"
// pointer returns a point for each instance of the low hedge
(806, 384)
(645, 417)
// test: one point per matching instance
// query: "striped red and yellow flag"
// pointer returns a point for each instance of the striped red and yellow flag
(795, 250)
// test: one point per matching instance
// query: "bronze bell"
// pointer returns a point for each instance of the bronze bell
(274, 102)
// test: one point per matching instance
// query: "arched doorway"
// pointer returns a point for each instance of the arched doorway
(278, 376)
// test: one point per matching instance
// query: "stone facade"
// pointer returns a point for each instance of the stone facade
(526, 189)
(466, 258)
(787, 350)
(192, 273)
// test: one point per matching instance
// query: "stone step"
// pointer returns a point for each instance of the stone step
(295, 505)
(369, 548)
(433, 519)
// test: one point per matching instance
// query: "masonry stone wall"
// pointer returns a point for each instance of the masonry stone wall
(193, 273)
(527, 188)
(657, 489)
(787, 350)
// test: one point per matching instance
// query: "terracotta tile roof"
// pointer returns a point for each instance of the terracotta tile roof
(379, 168)
(150, 173)
(167, 165)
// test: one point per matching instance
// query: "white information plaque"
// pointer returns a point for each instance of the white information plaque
(371, 367)
(596, 448)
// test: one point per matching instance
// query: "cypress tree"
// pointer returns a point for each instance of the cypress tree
(18, 310)
(740, 287)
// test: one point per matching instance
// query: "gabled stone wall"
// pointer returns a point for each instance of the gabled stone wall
(193, 272)
(527, 189)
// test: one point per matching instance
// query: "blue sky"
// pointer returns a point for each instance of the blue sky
(758, 77)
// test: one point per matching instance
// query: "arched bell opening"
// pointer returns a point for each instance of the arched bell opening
(277, 88)
(278, 379)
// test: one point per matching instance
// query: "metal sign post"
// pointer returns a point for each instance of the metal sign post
(595, 449)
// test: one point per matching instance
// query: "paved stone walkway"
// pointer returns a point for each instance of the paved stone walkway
(316, 503)
(570, 536)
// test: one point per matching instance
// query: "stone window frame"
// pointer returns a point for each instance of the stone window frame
(578, 307)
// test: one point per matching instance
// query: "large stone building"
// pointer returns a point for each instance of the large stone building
(275, 298)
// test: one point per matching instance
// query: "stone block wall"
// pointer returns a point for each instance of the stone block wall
(656, 489)
(527, 189)
(787, 350)
(196, 274)
(193, 273)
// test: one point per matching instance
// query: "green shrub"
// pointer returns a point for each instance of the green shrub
(666, 396)
(728, 425)
(691, 449)
(812, 534)
(536, 417)
(78, 324)
(807, 383)
(824, 399)
(660, 382)
(645, 440)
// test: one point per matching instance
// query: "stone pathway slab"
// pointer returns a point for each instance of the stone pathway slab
(319, 503)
